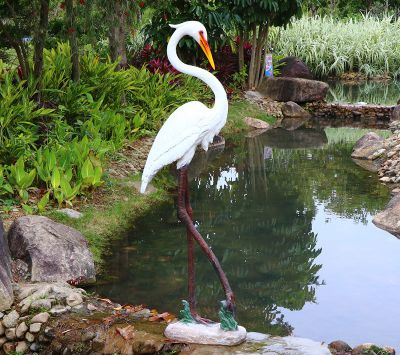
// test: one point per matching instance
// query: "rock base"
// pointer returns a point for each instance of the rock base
(211, 334)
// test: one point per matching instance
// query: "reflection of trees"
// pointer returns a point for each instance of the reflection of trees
(259, 224)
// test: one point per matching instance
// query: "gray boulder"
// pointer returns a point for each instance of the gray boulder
(6, 291)
(369, 146)
(294, 67)
(388, 219)
(293, 89)
(53, 251)
(294, 116)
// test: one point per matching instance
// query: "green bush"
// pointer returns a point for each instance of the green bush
(63, 149)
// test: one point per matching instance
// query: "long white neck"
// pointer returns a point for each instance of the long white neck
(221, 101)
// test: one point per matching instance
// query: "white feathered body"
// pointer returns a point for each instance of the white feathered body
(188, 126)
(192, 123)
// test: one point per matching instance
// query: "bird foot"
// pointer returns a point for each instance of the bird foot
(201, 320)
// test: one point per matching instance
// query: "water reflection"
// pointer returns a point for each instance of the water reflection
(371, 92)
(256, 203)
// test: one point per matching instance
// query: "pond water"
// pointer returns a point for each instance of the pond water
(289, 215)
(371, 92)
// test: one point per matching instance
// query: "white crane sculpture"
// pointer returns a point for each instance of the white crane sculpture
(188, 126)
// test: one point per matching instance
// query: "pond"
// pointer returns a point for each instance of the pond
(371, 92)
(289, 215)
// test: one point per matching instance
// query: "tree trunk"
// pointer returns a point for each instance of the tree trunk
(39, 38)
(117, 34)
(257, 58)
(261, 43)
(241, 50)
(251, 78)
(73, 41)
(22, 58)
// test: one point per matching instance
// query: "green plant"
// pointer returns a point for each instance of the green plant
(21, 179)
(41, 206)
(239, 78)
(91, 174)
(329, 46)
(5, 187)
(19, 117)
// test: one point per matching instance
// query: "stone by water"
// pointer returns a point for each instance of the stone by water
(210, 334)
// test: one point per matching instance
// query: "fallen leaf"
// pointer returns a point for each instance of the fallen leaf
(127, 332)
(168, 317)
(133, 309)
(106, 300)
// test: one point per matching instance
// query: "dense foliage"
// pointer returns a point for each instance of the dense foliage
(59, 144)
(331, 47)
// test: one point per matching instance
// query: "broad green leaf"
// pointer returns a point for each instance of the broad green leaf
(87, 171)
(43, 202)
(55, 178)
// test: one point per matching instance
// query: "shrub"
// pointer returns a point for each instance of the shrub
(60, 152)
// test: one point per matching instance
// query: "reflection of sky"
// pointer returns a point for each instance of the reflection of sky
(360, 301)
(226, 177)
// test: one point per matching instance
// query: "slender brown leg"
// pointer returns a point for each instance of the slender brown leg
(185, 218)
(190, 244)
(191, 255)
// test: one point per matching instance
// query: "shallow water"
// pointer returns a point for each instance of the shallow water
(289, 215)
(371, 92)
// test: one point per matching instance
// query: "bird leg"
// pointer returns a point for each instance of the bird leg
(184, 214)
(191, 254)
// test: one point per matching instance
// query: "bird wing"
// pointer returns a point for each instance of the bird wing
(182, 131)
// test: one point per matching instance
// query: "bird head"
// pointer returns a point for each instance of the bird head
(198, 32)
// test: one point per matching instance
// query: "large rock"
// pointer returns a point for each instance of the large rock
(389, 219)
(294, 116)
(53, 251)
(369, 146)
(294, 67)
(6, 291)
(293, 89)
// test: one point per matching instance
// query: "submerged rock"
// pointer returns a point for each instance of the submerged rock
(53, 251)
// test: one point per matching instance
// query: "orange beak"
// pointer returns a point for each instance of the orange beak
(206, 49)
